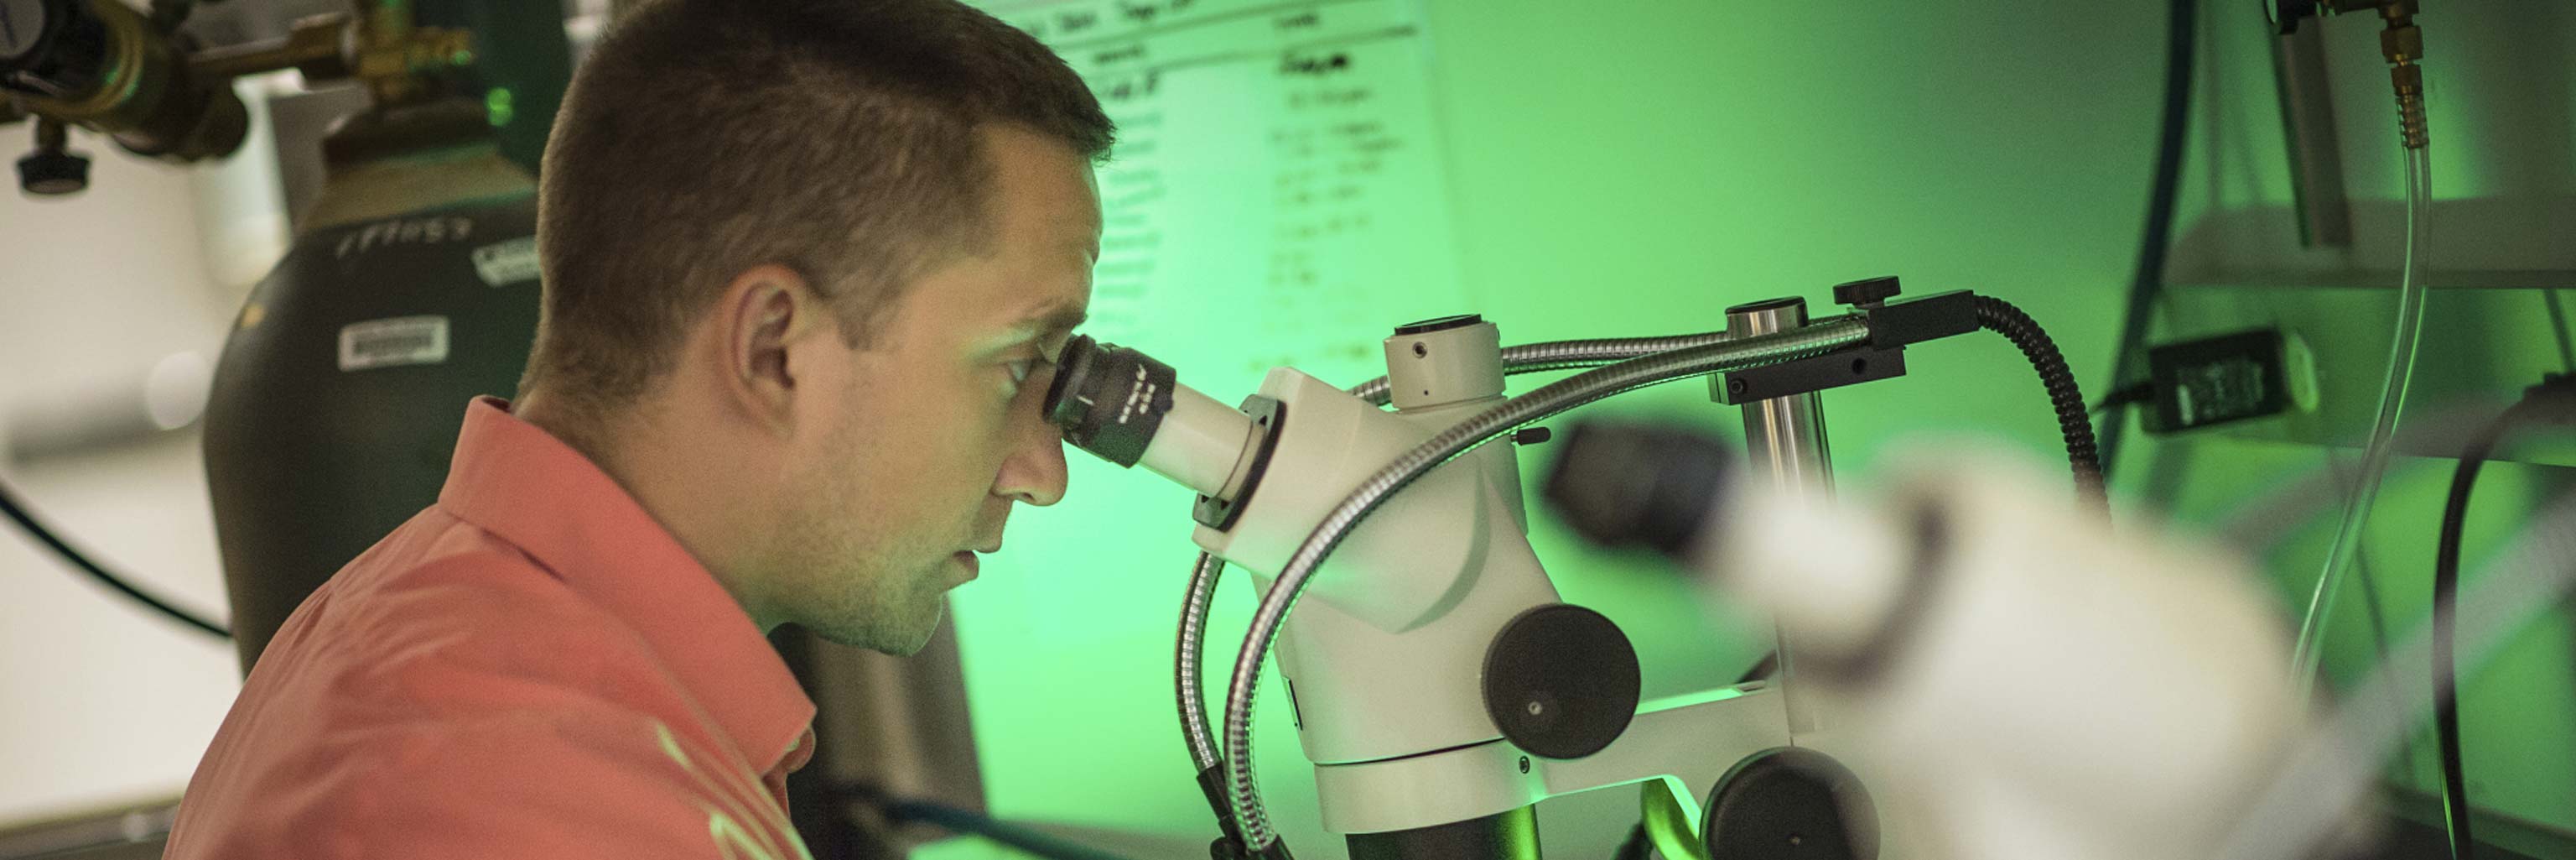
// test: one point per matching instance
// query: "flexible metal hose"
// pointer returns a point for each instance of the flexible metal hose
(1546, 401)
(1566, 355)
(2000, 317)
(1186, 663)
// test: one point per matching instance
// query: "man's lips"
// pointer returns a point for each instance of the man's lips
(970, 557)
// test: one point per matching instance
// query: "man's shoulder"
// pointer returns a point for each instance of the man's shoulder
(437, 556)
(441, 622)
(436, 576)
(447, 685)
(459, 622)
(571, 780)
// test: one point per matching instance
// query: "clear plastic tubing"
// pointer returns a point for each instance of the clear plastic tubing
(2411, 289)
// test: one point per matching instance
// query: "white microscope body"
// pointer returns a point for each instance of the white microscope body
(2057, 690)
(1386, 656)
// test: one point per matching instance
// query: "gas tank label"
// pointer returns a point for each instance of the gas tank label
(395, 342)
(503, 263)
(436, 230)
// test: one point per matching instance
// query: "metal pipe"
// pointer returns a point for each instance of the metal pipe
(2308, 130)
(1784, 436)
(313, 48)
(1784, 440)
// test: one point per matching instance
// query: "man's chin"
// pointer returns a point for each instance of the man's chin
(913, 644)
(898, 637)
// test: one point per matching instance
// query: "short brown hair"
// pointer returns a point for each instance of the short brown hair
(840, 138)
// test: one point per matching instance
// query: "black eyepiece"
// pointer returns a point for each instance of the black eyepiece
(1633, 484)
(1109, 399)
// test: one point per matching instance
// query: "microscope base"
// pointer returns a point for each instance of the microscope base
(1511, 835)
(1689, 743)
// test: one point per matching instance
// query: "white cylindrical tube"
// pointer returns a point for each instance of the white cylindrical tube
(1198, 442)
(1442, 361)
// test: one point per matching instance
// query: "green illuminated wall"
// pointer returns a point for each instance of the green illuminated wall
(1634, 168)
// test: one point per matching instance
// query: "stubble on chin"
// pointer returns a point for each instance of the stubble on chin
(897, 620)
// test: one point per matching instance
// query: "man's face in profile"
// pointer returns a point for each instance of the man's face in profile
(932, 430)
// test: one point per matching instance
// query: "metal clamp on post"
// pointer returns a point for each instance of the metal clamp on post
(1892, 327)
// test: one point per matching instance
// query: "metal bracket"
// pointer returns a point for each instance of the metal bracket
(1831, 370)
(1892, 327)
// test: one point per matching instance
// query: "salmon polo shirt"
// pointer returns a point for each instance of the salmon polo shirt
(532, 667)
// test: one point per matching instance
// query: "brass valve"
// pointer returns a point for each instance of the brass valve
(395, 59)
(392, 57)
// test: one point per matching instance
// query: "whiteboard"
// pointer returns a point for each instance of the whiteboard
(1277, 195)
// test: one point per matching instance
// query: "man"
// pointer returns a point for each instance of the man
(806, 262)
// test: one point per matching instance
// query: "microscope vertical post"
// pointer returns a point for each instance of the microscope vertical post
(1784, 440)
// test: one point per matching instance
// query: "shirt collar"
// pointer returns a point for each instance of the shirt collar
(520, 483)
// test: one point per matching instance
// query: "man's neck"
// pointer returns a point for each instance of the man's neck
(577, 431)
(673, 482)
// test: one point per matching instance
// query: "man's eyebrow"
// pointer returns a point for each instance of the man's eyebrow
(1058, 319)
(1053, 319)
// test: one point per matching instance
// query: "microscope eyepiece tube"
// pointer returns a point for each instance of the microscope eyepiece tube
(1127, 408)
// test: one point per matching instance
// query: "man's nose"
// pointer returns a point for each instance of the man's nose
(1035, 473)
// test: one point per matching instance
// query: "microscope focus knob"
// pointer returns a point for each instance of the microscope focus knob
(1561, 681)
(53, 173)
(1790, 803)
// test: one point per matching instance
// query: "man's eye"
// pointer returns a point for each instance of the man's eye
(1020, 370)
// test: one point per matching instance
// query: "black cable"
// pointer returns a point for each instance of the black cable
(968, 822)
(2138, 393)
(17, 512)
(2149, 279)
(2558, 392)
(2446, 595)
(2000, 317)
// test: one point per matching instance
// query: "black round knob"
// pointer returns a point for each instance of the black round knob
(1867, 292)
(1790, 803)
(1561, 681)
(53, 174)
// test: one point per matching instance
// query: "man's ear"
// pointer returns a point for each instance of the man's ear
(764, 312)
